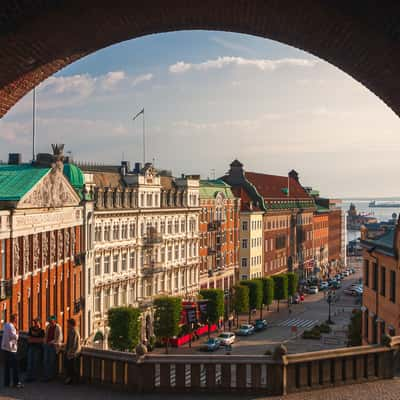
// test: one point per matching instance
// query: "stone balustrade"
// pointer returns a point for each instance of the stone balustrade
(233, 373)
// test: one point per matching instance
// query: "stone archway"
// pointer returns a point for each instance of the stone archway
(40, 37)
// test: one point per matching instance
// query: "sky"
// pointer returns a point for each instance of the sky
(211, 97)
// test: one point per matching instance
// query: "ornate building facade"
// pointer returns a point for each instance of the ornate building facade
(283, 222)
(40, 235)
(219, 235)
(146, 242)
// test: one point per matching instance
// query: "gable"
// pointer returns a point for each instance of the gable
(52, 191)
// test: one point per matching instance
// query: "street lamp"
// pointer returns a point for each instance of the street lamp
(329, 299)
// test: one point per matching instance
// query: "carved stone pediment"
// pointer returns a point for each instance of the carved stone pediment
(52, 191)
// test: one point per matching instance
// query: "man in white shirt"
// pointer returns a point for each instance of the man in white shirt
(9, 345)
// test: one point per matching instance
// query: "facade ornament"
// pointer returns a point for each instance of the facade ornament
(25, 244)
(45, 249)
(35, 252)
(16, 257)
(52, 247)
(60, 245)
(67, 243)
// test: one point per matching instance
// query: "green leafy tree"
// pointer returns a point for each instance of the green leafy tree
(255, 295)
(354, 333)
(293, 282)
(240, 300)
(268, 291)
(215, 305)
(167, 317)
(280, 287)
(124, 323)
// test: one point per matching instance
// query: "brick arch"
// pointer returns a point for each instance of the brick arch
(40, 37)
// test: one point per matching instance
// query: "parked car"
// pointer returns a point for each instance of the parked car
(260, 325)
(227, 338)
(353, 271)
(350, 291)
(211, 344)
(245, 330)
(323, 285)
(338, 277)
(335, 284)
(312, 290)
(346, 273)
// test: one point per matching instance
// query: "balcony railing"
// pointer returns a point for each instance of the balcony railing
(152, 268)
(152, 240)
(5, 289)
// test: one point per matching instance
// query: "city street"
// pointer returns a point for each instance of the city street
(287, 326)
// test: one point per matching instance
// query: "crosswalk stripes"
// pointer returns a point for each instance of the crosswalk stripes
(298, 322)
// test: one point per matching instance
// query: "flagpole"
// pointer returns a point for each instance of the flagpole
(144, 140)
(33, 123)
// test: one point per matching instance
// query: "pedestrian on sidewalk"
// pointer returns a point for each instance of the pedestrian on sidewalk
(53, 339)
(9, 345)
(35, 349)
(72, 352)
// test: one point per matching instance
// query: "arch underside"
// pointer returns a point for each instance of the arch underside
(40, 37)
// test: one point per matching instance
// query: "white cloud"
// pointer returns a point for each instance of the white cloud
(261, 64)
(141, 78)
(111, 79)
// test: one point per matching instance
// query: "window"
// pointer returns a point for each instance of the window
(393, 286)
(116, 232)
(169, 227)
(115, 263)
(97, 266)
(244, 243)
(183, 226)
(244, 262)
(244, 225)
(383, 281)
(107, 295)
(142, 200)
(176, 251)
(149, 200)
(107, 230)
(115, 299)
(132, 260)
(366, 273)
(162, 226)
(176, 226)
(97, 301)
(132, 230)
(97, 234)
(169, 253)
(107, 264)
(124, 262)
(124, 232)
(375, 276)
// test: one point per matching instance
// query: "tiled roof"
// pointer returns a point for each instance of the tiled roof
(275, 187)
(383, 243)
(17, 180)
(240, 192)
(209, 188)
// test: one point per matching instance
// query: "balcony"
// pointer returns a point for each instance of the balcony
(5, 289)
(78, 305)
(211, 251)
(152, 268)
(152, 240)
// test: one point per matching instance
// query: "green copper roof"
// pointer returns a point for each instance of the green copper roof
(74, 175)
(210, 188)
(17, 180)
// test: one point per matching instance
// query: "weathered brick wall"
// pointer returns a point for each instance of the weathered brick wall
(40, 37)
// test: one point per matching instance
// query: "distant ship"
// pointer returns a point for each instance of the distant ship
(384, 204)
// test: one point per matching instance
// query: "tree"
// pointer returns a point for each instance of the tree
(293, 281)
(124, 328)
(280, 287)
(240, 300)
(167, 317)
(255, 295)
(215, 305)
(268, 291)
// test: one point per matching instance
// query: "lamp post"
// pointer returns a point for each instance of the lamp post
(329, 299)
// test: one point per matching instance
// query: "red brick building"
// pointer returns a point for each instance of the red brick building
(381, 301)
(321, 240)
(219, 235)
(40, 241)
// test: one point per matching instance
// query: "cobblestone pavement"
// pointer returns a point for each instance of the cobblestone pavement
(379, 390)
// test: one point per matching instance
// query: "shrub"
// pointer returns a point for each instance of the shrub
(354, 333)
(124, 328)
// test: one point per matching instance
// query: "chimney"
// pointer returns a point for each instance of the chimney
(14, 158)
(294, 175)
(138, 167)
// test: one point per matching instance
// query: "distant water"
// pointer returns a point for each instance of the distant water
(382, 214)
